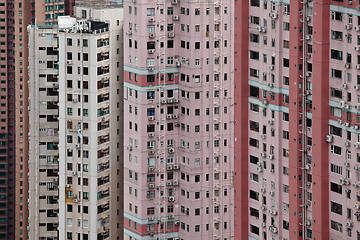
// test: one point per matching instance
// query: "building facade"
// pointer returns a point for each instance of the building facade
(43, 132)
(15, 17)
(75, 154)
(296, 120)
(178, 128)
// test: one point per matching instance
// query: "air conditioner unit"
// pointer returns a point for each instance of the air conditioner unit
(263, 207)
(275, 230)
(356, 185)
(178, 63)
(271, 156)
(357, 206)
(177, 223)
(151, 151)
(342, 181)
(151, 168)
(346, 164)
(151, 51)
(345, 85)
(258, 28)
(263, 136)
(329, 138)
(169, 183)
(171, 199)
(150, 69)
(77, 145)
(175, 116)
(272, 170)
(151, 219)
(307, 167)
(76, 200)
(356, 145)
(271, 122)
(263, 154)
(169, 116)
(348, 26)
(263, 190)
(350, 2)
(308, 185)
(272, 193)
(151, 118)
(67, 185)
(272, 67)
(163, 101)
(273, 15)
(169, 167)
(151, 134)
(307, 18)
(175, 17)
(308, 37)
(347, 65)
(357, 66)
(171, 34)
(347, 144)
(357, 107)
(69, 62)
(152, 19)
(356, 87)
(263, 29)
(151, 185)
(152, 35)
(263, 224)
(308, 223)
(357, 48)
(176, 167)
(169, 100)
(175, 183)
(151, 235)
(259, 169)
(171, 150)
(357, 28)
(349, 224)
(74, 173)
(129, 148)
(265, 102)
(174, 1)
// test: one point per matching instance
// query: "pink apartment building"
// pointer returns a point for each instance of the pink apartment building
(297, 157)
(178, 111)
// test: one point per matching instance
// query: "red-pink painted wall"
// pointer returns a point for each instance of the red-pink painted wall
(320, 118)
(241, 161)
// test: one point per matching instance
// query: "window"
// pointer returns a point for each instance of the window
(336, 207)
(254, 73)
(337, 16)
(335, 73)
(336, 226)
(335, 149)
(336, 169)
(150, 11)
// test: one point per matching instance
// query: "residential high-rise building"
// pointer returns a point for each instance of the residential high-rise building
(43, 132)
(76, 164)
(15, 17)
(297, 120)
(178, 132)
